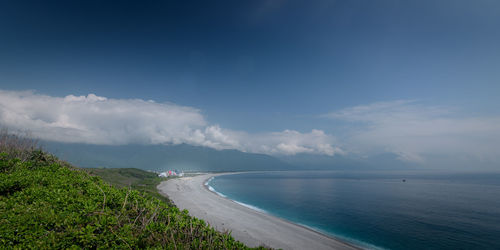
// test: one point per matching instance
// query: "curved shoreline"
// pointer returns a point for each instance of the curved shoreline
(205, 184)
(252, 227)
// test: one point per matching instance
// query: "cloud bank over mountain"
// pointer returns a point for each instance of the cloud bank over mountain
(99, 120)
(415, 132)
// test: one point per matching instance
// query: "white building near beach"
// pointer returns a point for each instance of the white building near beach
(171, 173)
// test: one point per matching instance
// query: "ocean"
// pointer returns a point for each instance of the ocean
(379, 210)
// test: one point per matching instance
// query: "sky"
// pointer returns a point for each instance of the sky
(419, 79)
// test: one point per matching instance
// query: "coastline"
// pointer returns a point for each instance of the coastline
(250, 226)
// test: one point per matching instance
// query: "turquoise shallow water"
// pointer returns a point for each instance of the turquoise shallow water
(379, 209)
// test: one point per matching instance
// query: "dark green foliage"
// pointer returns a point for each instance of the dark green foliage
(45, 203)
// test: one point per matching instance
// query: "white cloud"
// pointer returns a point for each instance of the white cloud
(290, 142)
(414, 131)
(99, 120)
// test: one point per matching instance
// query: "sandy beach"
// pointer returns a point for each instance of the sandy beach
(249, 226)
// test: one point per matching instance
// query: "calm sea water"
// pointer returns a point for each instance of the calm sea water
(379, 210)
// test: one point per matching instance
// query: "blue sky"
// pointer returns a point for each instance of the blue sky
(264, 67)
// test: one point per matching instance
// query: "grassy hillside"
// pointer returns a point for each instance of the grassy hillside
(47, 203)
(133, 178)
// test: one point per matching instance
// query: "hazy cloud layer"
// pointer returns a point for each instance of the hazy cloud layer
(416, 132)
(288, 142)
(99, 120)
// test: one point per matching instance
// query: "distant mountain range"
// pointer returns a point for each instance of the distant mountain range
(162, 157)
(195, 158)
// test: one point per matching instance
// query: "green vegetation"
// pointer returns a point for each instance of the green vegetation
(47, 203)
(133, 178)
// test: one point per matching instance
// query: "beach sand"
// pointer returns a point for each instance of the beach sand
(249, 226)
